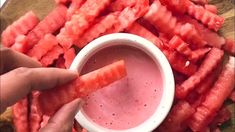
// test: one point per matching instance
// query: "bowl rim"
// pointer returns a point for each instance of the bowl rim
(158, 57)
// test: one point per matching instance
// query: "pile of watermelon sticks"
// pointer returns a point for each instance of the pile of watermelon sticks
(184, 30)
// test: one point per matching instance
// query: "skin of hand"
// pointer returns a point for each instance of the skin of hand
(20, 75)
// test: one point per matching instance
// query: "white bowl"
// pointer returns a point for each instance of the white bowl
(158, 57)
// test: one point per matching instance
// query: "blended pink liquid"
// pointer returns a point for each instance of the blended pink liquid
(129, 101)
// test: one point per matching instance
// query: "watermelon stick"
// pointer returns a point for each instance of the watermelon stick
(51, 100)
(215, 98)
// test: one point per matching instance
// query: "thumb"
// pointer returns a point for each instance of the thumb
(62, 121)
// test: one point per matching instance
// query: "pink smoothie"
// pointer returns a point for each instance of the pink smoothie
(130, 101)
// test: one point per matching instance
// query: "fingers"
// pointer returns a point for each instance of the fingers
(17, 83)
(11, 60)
(62, 121)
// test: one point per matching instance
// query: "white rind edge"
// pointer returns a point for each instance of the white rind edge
(148, 47)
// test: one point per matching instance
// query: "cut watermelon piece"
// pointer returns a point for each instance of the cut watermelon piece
(215, 97)
(69, 56)
(20, 27)
(208, 82)
(73, 8)
(97, 29)
(169, 25)
(232, 96)
(213, 58)
(51, 100)
(211, 20)
(80, 21)
(198, 54)
(20, 115)
(51, 23)
(176, 5)
(35, 115)
(43, 46)
(211, 8)
(51, 56)
(155, 14)
(180, 63)
(129, 15)
(139, 30)
(60, 63)
(175, 121)
(148, 26)
(119, 5)
(201, 2)
(212, 38)
(179, 45)
(230, 46)
(21, 44)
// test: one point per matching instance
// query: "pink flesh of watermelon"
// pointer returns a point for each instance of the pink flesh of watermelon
(20, 115)
(20, 27)
(230, 46)
(211, 8)
(69, 56)
(35, 116)
(51, 55)
(51, 100)
(73, 8)
(215, 98)
(21, 44)
(97, 29)
(51, 23)
(213, 58)
(79, 22)
(212, 38)
(175, 121)
(43, 46)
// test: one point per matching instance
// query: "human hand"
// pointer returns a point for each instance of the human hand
(17, 81)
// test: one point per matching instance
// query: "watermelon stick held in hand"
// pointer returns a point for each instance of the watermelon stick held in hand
(51, 100)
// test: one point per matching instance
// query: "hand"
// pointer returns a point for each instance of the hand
(17, 81)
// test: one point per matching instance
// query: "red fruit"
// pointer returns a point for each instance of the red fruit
(21, 44)
(51, 100)
(20, 27)
(163, 20)
(212, 38)
(176, 5)
(198, 54)
(139, 30)
(97, 29)
(35, 116)
(80, 21)
(213, 58)
(20, 115)
(51, 55)
(211, 8)
(73, 8)
(211, 20)
(44, 45)
(69, 56)
(119, 5)
(230, 46)
(208, 82)
(179, 62)
(215, 97)
(51, 23)
(60, 63)
(179, 45)
(129, 15)
(175, 121)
